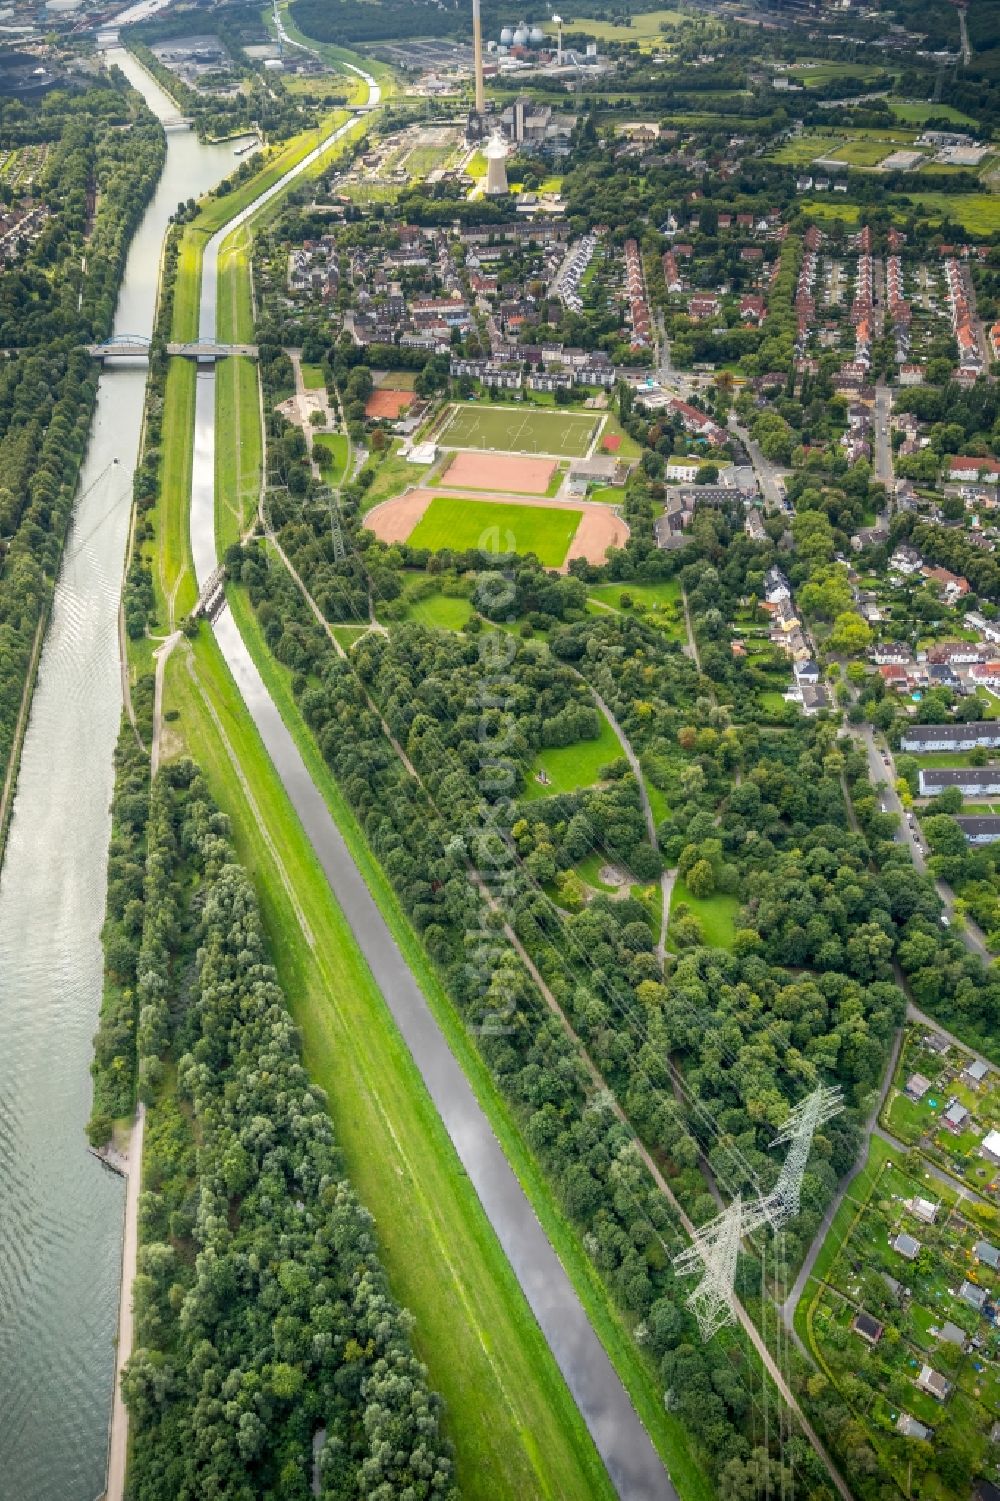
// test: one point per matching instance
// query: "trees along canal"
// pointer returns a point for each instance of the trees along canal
(49, 305)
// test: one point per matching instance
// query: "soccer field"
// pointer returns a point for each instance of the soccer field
(497, 528)
(566, 435)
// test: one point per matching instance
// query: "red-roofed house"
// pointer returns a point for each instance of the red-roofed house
(963, 468)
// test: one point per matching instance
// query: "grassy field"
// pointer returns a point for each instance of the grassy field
(919, 114)
(645, 29)
(862, 153)
(979, 213)
(716, 913)
(312, 377)
(565, 435)
(802, 149)
(330, 450)
(446, 612)
(831, 208)
(568, 767)
(460, 524)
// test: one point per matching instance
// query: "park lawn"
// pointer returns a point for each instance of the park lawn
(446, 612)
(569, 767)
(330, 450)
(312, 377)
(657, 801)
(522, 429)
(979, 213)
(667, 592)
(716, 913)
(588, 869)
(460, 524)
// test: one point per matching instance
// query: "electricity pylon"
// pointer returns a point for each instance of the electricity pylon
(715, 1246)
(714, 1250)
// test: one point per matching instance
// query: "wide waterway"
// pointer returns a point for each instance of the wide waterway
(60, 1210)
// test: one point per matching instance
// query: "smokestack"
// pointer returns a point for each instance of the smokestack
(477, 47)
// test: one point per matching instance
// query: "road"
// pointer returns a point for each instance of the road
(635, 1468)
(883, 779)
(118, 1437)
(766, 472)
(883, 441)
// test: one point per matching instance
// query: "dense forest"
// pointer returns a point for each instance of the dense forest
(108, 150)
(269, 1354)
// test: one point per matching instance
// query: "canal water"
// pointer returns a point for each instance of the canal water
(60, 1210)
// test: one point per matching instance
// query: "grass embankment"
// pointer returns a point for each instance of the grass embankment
(516, 1429)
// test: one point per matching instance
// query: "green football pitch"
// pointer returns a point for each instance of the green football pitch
(497, 528)
(565, 435)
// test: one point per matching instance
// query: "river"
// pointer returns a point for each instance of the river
(60, 1210)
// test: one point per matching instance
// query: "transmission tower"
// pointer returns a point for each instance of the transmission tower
(713, 1251)
(799, 1129)
(329, 499)
(715, 1246)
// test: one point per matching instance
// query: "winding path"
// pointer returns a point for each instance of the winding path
(620, 1438)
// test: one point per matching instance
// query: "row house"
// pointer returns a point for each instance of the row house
(635, 290)
(671, 273)
(970, 361)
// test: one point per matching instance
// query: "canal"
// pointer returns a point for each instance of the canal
(60, 1210)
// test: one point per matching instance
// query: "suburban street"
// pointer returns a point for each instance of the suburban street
(883, 436)
(766, 472)
(883, 779)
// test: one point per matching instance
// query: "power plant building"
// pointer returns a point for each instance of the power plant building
(496, 170)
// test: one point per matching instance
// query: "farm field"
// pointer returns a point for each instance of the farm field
(461, 524)
(565, 435)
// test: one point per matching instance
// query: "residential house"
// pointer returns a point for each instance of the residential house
(933, 1383)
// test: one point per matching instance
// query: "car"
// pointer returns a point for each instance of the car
(885, 760)
(945, 920)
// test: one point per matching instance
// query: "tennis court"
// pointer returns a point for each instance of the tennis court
(564, 435)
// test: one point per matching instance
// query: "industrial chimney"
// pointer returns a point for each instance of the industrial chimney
(477, 47)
